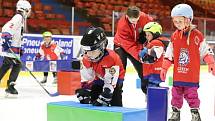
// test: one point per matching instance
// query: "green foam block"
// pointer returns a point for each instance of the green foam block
(73, 111)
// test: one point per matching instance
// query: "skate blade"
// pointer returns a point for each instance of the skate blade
(9, 95)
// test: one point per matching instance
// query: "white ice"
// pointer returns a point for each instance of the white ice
(31, 103)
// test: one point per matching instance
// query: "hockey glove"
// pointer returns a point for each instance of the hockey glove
(211, 63)
(83, 96)
(142, 36)
(165, 66)
(143, 52)
(21, 52)
(7, 37)
(38, 56)
(104, 99)
(62, 56)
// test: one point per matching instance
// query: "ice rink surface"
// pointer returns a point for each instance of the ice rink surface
(31, 103)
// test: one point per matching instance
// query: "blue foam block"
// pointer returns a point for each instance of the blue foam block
(138, 83)
(157, 104)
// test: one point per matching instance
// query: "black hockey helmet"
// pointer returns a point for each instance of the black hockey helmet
(94, 38)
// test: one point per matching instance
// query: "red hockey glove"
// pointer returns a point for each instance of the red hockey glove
(211, 63)
(163, 74)
(165, 66)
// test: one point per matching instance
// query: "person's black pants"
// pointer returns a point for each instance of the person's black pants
(6, 65)
(137, 65)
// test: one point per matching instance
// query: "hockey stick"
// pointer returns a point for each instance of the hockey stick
(16, 57)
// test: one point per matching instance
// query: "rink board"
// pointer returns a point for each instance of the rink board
(74, 111)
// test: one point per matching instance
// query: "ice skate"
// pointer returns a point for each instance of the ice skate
(44, 80)
(175, 114)
(195, 115)
(11, 91)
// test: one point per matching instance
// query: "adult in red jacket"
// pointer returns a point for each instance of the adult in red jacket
(127, 41)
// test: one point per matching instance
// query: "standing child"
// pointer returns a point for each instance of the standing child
(11, 39)
(49, 50)
(152, 53)
(185, 50)
(102, 72)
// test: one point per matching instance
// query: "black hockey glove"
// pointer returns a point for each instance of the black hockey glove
(142, 36)
(104, 99)
(83, 96)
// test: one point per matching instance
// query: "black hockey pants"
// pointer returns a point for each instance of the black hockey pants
(16, 68)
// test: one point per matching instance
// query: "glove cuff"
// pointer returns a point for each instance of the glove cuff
(209, 59)
(166, 64)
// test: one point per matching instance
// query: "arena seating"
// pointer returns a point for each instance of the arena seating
(158, 9)
(42, 18)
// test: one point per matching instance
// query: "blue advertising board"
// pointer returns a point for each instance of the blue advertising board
(31, 45)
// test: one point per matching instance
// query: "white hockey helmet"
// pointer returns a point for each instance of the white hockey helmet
(24, 6)
(182, 10)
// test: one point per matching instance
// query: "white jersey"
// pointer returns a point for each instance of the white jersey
(14, 27)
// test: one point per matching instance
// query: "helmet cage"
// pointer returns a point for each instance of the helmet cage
(100, 46)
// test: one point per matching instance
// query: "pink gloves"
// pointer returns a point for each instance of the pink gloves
(165, 66)
(211, 63)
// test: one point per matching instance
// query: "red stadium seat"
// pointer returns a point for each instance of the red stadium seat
(55, 31)
(60, 17)
(40, 15)
(7, 4)
(50, 16)
(38, 8)
(47, 8)
(65, 31)
(1, 12)
(8, 12)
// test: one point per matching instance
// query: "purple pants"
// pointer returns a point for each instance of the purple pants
(189, 93)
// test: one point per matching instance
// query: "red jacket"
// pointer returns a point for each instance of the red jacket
(186, 57)
(52, 52)
(127, 35)
(109, 60)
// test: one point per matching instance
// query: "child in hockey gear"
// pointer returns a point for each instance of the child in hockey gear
(11, 44)
(102, 72)
(49, 51)
(186, 48)
(127, 41)
(152, 54)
